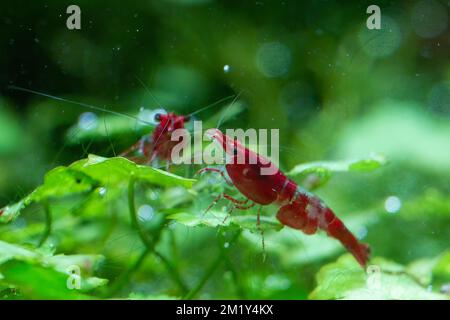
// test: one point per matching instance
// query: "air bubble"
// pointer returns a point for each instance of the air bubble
(146, 212)
(226, 68)
(87, 121)
(361, 233)
(392, 204)
(102, 192)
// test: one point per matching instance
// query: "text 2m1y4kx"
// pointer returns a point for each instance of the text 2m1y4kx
(226, 309)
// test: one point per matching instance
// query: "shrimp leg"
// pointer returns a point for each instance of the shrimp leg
(221, 172)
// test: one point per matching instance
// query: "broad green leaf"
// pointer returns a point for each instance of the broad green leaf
(10, 212)
(38, 282)
(113, 171)
(368, 164)
(250, 222)
(422, 270)
(218, 218)
(87, 263)
(88, 174)
(321, 171)
(10, 251)
(441, 270)
(210, 219)
(345, 279)
(15, 259)
(59, 182)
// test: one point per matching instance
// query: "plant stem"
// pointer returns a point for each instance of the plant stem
(173, 272)
(123, 279)
(48, 223)
(209, 272)
(134, 217)
(239, 290)
(149, 243)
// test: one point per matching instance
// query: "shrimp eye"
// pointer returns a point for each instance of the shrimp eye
(158, 117)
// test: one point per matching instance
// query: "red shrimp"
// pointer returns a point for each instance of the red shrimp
(158, 144)
(298, 208)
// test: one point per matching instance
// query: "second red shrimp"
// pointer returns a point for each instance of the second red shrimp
(298, 208)
(158, 144)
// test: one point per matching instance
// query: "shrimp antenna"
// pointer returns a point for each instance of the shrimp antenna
(191, 114)
(149, 91)
(212, 105)
(228, 107)
(12, 87)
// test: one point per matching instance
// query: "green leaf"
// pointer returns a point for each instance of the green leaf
(368, 164)
(87, 263)
(422, 270)
(217, 218)
(321, 171)
(88, 174)
(441, 270)
(10, 212)
(37, 282)
(345, 279)
(118, 170)
(250, 222)
(59, 182)
(19, 263)
(10, 251)
(210, 219)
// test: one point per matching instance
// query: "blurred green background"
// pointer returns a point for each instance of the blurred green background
(335, 89)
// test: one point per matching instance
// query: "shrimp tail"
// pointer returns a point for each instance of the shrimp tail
(307, 213)
(337, 230)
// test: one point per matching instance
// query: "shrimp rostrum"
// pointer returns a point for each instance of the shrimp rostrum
(298, 208)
